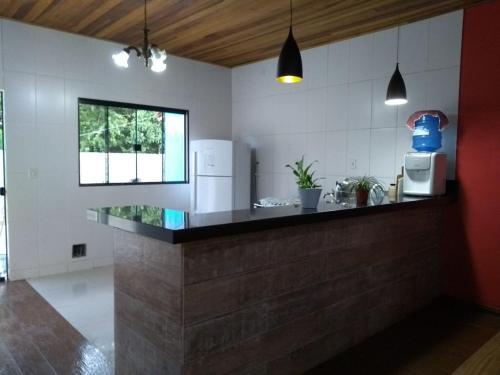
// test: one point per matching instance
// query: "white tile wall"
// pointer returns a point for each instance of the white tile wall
(49, 100)
(20, 102)
(413, 46)
(18, 46)
(360, 58)
(43, 72)
(316, 150)
(358, 152)
(315, 67)
(342, 120)
(336, 152)
(360, 105)
(316, 110)
(444, 30)
(338, 107)
(382, 152)
(384, 53)
(338, 63)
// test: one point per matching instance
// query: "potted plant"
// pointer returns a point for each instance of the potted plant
(309, 190)
(362, 186)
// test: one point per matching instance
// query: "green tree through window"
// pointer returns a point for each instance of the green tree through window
(124, 143)
(92, 128)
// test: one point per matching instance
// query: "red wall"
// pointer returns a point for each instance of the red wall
(471, 258)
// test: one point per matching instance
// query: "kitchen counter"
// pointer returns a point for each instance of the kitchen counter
(178, 226)
(266, 290)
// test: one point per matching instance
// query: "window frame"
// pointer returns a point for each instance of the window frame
(109, 103)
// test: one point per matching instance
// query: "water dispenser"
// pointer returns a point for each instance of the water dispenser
(425, 170)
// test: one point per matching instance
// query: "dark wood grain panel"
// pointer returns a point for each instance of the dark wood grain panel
(148, 305)
(356, 276)
(225, 32)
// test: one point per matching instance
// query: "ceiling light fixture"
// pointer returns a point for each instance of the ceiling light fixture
(154, 57)
(290, 61)
(396, 91)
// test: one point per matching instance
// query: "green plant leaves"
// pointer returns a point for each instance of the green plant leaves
(305, 180)
(362, 183)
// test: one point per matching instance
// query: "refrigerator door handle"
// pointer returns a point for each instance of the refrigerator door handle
(195, 181)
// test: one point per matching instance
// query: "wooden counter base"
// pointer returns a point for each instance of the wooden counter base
(277, 301)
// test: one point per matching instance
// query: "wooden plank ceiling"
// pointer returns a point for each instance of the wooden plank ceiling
(225, 32)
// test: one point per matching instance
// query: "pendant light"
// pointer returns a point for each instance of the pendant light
(290, 61)
(154, 57)
(396, 91)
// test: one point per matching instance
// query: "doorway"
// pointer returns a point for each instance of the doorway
(3, 221)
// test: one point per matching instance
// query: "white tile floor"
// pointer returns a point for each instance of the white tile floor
(86, 300)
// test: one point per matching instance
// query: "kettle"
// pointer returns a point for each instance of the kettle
(331, 197)
(342, 190)
(376, 195)
(339, 194)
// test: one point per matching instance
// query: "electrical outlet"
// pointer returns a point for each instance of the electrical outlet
(32, 173)
(353, 163)
(79, 250)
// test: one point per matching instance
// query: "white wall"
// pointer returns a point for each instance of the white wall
(43, 72)
(337, 114)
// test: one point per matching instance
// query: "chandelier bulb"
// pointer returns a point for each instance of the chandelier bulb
(121, 59)
(158, 58)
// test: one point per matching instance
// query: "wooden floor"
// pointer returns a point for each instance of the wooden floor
(35, 339)
(444, 338)
(485, 361)
(436, 340)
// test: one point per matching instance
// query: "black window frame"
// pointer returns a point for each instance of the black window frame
(109, 103)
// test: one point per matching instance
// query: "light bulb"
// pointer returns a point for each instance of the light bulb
(121, 59)
(158, 58)
(289, 79)
(398, 101)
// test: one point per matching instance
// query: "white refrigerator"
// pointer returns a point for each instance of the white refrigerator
(219, 175)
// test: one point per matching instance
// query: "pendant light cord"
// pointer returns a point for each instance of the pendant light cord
(145, 48)
(291, 14)
(397, 49)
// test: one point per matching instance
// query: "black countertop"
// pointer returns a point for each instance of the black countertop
(178, 226)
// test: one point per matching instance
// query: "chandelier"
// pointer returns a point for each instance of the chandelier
(154, 57)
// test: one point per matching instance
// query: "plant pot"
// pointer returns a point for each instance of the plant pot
(309, 197)
(361, 197)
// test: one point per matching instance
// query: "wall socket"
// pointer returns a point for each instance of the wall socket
(32, 173)
(79, 250)
(352, 163)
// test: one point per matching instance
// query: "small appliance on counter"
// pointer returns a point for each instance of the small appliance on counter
(425, 170)
(425, 173)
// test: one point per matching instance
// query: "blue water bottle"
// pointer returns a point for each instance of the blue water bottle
(427, 136)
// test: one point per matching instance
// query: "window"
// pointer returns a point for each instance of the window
(131, 144)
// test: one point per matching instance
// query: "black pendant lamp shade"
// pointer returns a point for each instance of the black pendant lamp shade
(396, 91)
(290, 61)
